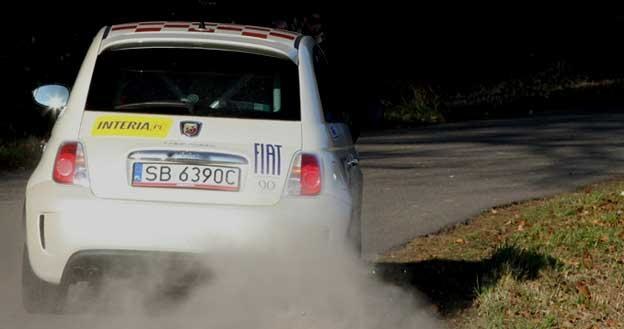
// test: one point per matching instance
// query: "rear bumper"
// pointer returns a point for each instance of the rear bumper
(176, 269)
(64, 220)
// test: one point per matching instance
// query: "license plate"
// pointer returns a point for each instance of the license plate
(186, 176)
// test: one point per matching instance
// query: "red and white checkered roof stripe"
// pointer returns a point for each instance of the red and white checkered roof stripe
(194, 27)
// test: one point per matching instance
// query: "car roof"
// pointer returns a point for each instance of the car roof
(244, 36)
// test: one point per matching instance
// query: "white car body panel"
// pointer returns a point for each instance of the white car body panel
(110, 214)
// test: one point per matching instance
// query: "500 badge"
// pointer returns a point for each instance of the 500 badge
(266, 185)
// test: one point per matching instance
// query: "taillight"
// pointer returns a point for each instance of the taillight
(305, 176)
(70, 166)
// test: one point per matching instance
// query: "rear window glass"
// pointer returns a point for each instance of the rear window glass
(198, 82)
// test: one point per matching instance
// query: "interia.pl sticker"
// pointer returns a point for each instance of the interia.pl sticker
(135, 126)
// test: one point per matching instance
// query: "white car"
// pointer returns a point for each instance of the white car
(186, 138)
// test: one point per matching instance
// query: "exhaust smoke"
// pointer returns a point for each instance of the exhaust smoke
(290, 282)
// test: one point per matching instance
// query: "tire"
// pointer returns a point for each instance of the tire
(39, 296)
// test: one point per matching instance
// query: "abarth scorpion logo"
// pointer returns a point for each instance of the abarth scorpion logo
(190, 128)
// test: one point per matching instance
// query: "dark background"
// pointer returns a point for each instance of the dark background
(372, 48)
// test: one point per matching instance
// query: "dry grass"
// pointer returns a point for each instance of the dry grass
(551, 263)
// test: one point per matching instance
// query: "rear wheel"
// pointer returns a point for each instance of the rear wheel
(39, 296)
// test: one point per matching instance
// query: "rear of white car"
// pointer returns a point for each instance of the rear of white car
(188, 138)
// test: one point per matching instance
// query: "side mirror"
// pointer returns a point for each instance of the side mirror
(53, 97)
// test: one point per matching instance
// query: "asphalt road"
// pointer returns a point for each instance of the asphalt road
(419, 181)
(416, 182)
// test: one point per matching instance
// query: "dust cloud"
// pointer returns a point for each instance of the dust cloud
(291, 282)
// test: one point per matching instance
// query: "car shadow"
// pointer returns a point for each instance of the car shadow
(453, 285)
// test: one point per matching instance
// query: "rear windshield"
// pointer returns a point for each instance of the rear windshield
(198, 82)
